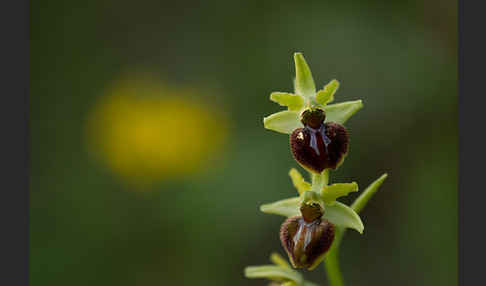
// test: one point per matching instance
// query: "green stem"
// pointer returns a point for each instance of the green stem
(333, 272)
(331, 261)
(319, 181)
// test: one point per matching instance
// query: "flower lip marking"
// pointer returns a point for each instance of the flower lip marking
(306, 242)
(300, 136)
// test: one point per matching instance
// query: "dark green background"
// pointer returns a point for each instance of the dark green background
(399, 57)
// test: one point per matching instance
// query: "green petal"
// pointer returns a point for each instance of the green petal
(299, 182)
(331, 193)
(343, 216)
(279, 260)
(287, 207)
(326, 95)
(273, 272)
(340, 112)
(284, 121)
(363, 199)
(304, 83)
(292, 101)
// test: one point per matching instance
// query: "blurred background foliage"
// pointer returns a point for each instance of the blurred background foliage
(149, 158)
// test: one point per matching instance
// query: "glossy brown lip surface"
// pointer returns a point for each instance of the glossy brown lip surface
(321, 148)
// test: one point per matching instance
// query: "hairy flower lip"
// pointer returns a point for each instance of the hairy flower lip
(319, 149)
(306, 242)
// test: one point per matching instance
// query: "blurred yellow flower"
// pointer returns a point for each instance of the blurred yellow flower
(146, 131)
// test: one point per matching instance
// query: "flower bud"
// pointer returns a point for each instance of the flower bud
(306, 239)
(319, 145)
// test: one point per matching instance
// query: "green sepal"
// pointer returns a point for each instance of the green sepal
(326, 95)
(286, 207)
(283, 122)
(341, 112)
(343, 216)
(292, 101)
(304, 83)
(330, 193)
(273, 272)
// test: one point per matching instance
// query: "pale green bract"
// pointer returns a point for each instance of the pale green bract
(363, 199)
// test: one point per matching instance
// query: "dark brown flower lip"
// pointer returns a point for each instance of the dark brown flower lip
(319, 149)
(306, 242)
